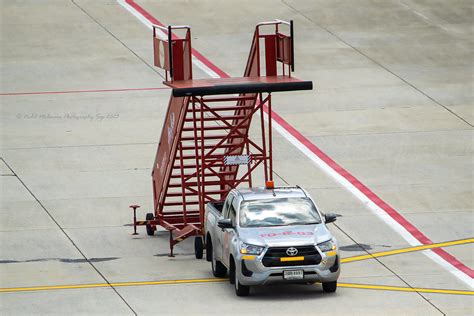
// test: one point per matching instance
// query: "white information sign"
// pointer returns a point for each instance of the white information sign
(237, 160)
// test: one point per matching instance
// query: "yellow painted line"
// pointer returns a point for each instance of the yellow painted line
(409, 249)
(101, 285)
(404, 289)
(291, 259)
(51, 287)
(215, 280)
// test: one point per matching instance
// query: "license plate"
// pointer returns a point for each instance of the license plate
(293, 275)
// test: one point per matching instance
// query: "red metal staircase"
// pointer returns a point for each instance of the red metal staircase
(205, 137)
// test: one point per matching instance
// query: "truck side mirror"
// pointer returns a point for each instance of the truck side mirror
(330, 217)
(225, 223)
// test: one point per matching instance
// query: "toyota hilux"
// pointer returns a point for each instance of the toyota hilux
(271, 235)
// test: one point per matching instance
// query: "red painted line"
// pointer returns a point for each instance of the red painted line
(144, 13)
(415, 232)
(80, 91)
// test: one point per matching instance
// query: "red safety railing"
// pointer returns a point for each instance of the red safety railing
(173, 54)
(278, 47)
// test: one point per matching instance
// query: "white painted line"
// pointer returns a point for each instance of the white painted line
(136, 14)
(211, 73)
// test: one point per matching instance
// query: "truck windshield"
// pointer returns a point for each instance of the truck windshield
(278, 212)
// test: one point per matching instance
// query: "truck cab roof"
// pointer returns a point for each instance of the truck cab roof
(261, 193)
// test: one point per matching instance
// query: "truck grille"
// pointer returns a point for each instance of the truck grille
(273, 256)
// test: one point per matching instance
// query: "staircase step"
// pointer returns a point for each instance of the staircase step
(210, 137)
(180, 203)
(217, 119)
(214, 128)
(233, 98)
(195, 193)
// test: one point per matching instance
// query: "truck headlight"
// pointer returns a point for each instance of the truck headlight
(251, 249)
(327, 246)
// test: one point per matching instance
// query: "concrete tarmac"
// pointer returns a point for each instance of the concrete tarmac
(82, 110)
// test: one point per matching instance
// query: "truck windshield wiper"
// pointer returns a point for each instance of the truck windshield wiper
(310, 223)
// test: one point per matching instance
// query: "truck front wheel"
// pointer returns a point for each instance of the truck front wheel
(218, 269)
(240, 290)
(208, 248)
(330, 287)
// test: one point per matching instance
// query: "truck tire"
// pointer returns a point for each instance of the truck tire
(198, 247)
(240, 290)
(232, 271)
(218, 269)
(150, 231)
(208, 248)
(330, 287)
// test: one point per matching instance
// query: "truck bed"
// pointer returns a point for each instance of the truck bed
(217, 206)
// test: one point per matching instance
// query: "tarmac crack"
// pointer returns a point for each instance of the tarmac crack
(359, 247)
(63, 260)
(67, 236)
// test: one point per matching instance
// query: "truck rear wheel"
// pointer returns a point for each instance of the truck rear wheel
(330, 287)
(198, 247)
(150, 231)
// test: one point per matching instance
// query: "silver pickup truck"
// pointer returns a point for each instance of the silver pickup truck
(264, 236)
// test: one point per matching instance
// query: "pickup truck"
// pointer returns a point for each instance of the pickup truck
(271, 235)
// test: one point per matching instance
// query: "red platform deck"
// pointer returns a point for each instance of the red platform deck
(237, 85)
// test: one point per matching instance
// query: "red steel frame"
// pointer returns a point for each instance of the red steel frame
(202, 130)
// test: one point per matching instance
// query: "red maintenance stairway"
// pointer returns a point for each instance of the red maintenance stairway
(206, 148)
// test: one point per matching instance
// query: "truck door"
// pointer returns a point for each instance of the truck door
(229, 234)
(221, 234)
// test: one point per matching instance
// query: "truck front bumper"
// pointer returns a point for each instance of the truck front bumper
(251, 270)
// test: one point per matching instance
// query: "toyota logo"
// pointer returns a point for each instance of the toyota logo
(292, 251)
